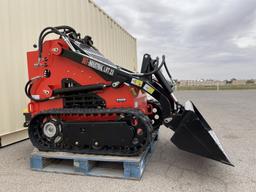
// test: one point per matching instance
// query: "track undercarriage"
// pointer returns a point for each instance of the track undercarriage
(124, 132)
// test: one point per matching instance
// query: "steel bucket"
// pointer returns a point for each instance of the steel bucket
(193, 134)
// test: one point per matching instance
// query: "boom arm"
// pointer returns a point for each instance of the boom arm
(118, 75)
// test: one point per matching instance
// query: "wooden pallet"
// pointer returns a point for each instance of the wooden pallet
(93, 165)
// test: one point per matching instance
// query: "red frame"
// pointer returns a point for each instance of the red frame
(62, 67)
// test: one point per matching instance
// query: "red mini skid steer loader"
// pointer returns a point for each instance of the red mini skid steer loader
(83, 103)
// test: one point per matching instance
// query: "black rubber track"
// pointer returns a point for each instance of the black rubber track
(39, 141)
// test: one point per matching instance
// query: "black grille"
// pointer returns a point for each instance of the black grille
(81, 100)
(87, 100)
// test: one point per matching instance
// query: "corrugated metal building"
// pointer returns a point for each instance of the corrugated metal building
(21, 22)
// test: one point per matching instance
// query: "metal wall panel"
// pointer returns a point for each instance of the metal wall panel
(21, 22)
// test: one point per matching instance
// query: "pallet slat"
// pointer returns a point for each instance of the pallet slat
(92, 165)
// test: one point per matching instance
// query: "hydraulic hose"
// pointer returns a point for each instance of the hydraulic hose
(55, 30)
(155, 70)
(28, 87)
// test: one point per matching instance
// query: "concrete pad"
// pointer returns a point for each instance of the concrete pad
(231, 114)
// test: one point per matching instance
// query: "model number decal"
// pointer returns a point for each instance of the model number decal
(100, 67)
(120, 100)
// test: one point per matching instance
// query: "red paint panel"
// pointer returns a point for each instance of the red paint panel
(61, 68)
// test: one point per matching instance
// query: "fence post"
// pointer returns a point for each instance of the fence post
(218, 86)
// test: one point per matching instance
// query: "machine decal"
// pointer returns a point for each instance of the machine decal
(120, 100)
(101, 67)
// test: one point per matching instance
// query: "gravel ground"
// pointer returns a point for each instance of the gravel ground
(233, 118)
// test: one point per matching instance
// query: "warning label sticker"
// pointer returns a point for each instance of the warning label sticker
(137, 82)
(148, 89)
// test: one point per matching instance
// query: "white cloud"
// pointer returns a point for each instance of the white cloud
(200, 38)
(245, 42)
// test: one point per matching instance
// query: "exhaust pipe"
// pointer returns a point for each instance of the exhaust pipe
(193, 134)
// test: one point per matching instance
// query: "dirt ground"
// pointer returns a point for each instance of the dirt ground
(230, 113)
